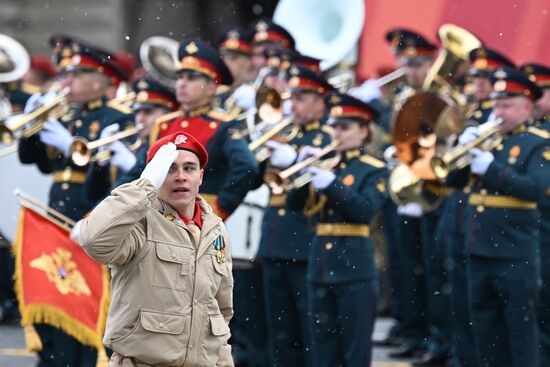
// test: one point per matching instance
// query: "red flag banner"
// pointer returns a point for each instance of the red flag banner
(57, 283)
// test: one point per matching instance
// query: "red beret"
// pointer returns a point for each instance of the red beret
(183, 141)
(43, 65)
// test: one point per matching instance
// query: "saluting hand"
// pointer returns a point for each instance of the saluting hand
(157, 169)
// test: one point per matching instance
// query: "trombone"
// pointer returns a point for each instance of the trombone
(261, 152)
(81, 150)
(460, 156)
(282, 181)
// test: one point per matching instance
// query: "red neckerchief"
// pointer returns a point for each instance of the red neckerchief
(196, 218)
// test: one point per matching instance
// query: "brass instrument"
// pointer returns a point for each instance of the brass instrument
(106, 155)
(9, 150)
(124, 102)
(428, 121)
(159, 57)
(280, 182)
(32, 122)
(81, 150)
(277, 132)
(460, 156)
(452, 60)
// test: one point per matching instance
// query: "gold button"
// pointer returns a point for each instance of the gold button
(342, 165)
(480, 208)
(65, 186)
(281, 212)
(500, 147)
(78, 124)
(184, 124)
(213, 125)
(328, 246)
(483, 192)
(67, 173)
(331, 212)
(467, 189)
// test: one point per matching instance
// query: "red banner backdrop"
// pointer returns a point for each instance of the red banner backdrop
(518, 29)
(57, 282)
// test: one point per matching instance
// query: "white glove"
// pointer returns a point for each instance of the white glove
(307, 151)
(245, 97)
(122, 157)
(321, 177)
(37, 100)
(468, 135)
(105, 133)
(481, 162)
(75, 232)
(157, 169)
(410, 210)
(390, 157)
(367, 91)
(109, 130)
(55, 134)
(282, 155)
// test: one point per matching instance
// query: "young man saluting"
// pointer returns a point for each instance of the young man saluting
(171, 298)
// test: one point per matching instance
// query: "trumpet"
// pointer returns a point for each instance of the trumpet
(261, 152)
(460, 156)
(280, 182)
(53, 109)
(81, 150)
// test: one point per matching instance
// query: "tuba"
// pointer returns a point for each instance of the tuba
(429, 121)
(159, 56)
(330, 35)
(14, 64)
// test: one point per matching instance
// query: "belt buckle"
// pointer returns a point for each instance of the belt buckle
(66, 175)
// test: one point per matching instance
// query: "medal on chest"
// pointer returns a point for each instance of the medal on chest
(219, 245)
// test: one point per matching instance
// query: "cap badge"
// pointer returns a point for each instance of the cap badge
(191, 48)
(180, 139)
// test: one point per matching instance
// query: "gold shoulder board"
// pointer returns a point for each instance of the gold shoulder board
(539, 132)
(220, 116)
(370, 160)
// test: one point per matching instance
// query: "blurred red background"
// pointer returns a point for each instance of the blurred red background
(517, 28)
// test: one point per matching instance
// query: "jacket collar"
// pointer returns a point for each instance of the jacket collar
(311, 126)
(203, 110)
(209, 219)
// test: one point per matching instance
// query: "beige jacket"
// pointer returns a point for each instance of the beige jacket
(170, 304)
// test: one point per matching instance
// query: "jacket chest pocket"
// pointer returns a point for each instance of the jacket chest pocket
(172, 267)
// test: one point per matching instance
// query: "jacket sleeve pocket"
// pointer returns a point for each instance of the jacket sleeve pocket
(158, 322)
(218, 325)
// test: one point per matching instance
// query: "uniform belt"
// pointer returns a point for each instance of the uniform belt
(277, 200)
(341, 229)
(69, 176)
(494, 201)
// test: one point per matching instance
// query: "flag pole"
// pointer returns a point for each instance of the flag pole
(49, 210)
